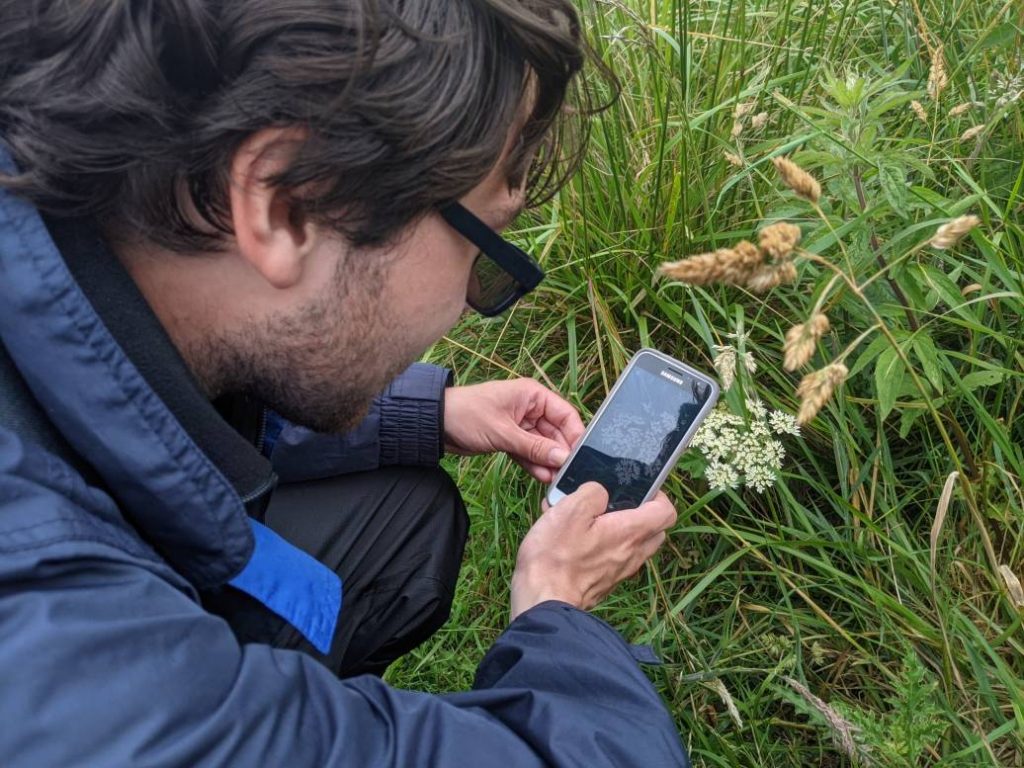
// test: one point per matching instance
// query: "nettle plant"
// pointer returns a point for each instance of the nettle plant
(874, 232)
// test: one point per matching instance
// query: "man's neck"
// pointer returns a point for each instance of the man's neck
(190, 298)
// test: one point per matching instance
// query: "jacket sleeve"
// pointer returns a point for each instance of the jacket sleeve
(405, 425)
(107, 663)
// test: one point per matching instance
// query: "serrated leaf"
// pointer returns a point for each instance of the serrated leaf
(874, 349)
(907, 419)
(893, 180)
(947, 291)
(982, 379)
(920, 296)
(928, 356)
(889, 374)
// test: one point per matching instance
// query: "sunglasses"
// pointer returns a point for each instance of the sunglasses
(502, 273)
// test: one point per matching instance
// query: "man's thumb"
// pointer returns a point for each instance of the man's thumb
(542, 451)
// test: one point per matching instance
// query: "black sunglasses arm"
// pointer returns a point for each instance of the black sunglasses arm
(512, 259)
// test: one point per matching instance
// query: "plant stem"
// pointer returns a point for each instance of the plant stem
(877, 249)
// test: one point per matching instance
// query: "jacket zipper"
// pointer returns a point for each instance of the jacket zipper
(261, 489)
(261, 436)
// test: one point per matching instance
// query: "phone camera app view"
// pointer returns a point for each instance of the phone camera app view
(636, 435)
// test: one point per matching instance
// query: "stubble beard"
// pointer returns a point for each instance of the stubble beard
(322, 366)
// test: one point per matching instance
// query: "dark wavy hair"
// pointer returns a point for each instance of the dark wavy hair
(129, 111)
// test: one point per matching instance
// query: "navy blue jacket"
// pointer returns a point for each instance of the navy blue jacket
(124, 494)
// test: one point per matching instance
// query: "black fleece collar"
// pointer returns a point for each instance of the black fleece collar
(130, 320)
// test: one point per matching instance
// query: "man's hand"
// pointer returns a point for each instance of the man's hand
(577, 554)
(521, 417)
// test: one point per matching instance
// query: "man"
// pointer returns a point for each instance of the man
(225, 229)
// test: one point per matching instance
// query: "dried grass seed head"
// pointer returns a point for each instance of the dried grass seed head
(937, 77)
(725, 265)
(844, 732)
(973, 132)
(798, 180)
(920, 111)
(816, 388)
(725, 364)
(778, 240)
(769, 276)
(801, 341)
(743, 109)
(952, 232)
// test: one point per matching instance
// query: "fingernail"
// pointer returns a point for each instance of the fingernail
(557, 457)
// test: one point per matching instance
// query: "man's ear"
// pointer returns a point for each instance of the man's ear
(272, 235)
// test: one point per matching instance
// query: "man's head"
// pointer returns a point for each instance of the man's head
(270, 171)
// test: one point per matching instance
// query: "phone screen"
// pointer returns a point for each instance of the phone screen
(637, 433)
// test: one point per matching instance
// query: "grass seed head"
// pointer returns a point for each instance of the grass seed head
(952, 232)
(744, 264)
(801, 341)
(737, 129)
(725, 364)
(961, 109)
(759, 121)
(937, 77)
(769, 276)
(973, 132)
(797, 179)
(725, 265)
(1013, 587)
(733, 159)
(743, 109)
(920, 111)
(816, 388)
(778, 240)
(843, 730)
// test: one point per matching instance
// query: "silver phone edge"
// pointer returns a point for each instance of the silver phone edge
(683, 443)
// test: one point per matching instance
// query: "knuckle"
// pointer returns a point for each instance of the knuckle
(668, 514)
(671, 518)
(538, 452)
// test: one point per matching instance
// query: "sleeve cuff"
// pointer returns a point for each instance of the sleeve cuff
(412, 417)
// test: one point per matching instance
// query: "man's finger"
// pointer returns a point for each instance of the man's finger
(650, 547)
(564, 416)
(534, 448)
(551, 431)
(589, 500)
(646, 520)
(537, 471)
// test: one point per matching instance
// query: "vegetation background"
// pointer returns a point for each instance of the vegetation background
(866, 608)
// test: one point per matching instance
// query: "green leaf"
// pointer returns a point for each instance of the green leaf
(874, 349)
(889, 374)
(893, 180)
(919, 295)
(981, 379)
(907, 419)
(945, 289)
(1000, 37)
(928, 356)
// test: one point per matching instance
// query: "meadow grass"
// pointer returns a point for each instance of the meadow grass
(863, 609)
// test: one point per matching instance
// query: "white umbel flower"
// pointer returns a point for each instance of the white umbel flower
(784, 423)
(743, 451)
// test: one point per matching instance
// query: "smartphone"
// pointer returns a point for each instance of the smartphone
(639, 432)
